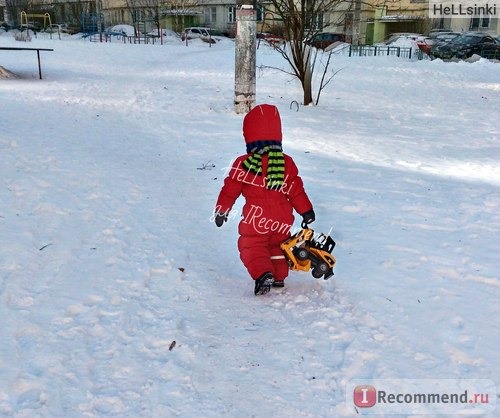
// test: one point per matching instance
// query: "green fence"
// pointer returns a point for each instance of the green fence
(403, 52)
(383, 50)
(490, 53)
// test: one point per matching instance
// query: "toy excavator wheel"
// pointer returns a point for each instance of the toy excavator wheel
(320, 270)
(302, 254)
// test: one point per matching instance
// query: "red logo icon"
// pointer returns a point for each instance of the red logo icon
(365, 396)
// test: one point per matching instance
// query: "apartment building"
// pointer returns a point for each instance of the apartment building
(363, 21)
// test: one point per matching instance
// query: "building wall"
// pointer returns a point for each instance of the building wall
(462, 25)
(363, 21)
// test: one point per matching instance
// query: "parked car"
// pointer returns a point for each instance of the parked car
(120, 31)
(445, 37)
(406, 40)
(434, 33)
(270, 38)
(324, 39)
(440, 40)
(425, 45)
(401, 37)
(162, 32)
(205, 34)
(468, 44)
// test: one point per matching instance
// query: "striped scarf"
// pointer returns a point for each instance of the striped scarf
(275, 175)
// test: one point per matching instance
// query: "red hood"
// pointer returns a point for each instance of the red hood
(262, 123)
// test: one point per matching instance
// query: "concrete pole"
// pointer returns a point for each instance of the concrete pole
(244, 84)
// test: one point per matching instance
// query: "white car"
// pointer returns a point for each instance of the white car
(205, 34)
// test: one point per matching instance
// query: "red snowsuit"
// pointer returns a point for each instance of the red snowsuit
(268, 213)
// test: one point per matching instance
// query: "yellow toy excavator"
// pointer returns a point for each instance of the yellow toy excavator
(303, 252)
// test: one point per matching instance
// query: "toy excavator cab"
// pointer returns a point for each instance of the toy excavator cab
(304, 253)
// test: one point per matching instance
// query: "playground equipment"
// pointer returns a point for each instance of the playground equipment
(92, 24)
(28, 21)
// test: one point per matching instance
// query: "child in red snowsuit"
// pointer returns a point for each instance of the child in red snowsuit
(270, 183)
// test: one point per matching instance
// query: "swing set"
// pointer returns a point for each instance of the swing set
(27, 18)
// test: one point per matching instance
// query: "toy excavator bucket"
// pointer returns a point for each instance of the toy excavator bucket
(324, 242)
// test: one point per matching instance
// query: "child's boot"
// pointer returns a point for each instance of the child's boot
(263, 283)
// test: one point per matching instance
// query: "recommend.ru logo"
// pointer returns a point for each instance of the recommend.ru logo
(421, 396)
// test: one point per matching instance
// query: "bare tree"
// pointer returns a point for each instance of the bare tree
(144, 11)
(302, 19)
(15, 7)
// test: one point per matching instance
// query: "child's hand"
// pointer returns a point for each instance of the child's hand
(308, 217)
(220, 218)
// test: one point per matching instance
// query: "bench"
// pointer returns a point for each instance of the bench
(9, 48)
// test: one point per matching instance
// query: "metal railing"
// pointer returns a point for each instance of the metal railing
(382, 50)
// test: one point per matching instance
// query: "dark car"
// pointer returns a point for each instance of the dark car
(324, 39)
(434, 33)
(441, 39)
(468, 44)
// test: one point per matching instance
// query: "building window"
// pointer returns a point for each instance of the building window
(348, 22)
(260, 13)
(211, 15)
(478, 23)
(318, 21)
(139, 15)
(231, 14)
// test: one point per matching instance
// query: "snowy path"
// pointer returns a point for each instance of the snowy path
(107, 255)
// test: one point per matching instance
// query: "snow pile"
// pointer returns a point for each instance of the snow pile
(126, 30)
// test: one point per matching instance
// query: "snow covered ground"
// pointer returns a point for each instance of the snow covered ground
(109, 170)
